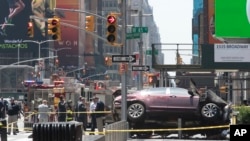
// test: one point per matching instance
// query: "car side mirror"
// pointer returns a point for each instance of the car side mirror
(191, 93)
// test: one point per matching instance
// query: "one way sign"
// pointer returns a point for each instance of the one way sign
(140, 68)
(123, 58)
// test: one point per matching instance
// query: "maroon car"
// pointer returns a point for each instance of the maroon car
(171, 103)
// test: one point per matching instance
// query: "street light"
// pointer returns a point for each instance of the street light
(56, 50)
(39, 43)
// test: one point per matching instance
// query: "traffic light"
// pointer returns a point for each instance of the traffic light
(108, 61)
(152, 79)
(56, 62)
(111, 28)
(30, 31)
(54, 28)
(223, 89)
(90, 23)
(179, 60)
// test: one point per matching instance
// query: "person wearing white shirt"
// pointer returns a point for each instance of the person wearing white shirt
(43, 111)
(92, 115)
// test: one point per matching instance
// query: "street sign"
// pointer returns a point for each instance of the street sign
(139, 29)
(133, 35)
(149, 52)
(124, 58)
(140, 68)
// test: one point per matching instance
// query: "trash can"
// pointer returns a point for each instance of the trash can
(3, 129)
(57, 131)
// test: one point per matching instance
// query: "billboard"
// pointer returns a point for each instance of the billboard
(212, 39)
(14, 25)
(70, 36)
(232, 18)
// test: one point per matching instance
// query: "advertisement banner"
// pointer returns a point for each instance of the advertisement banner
(69, 35)
(231, 53)
(212, 39)
(232, 18)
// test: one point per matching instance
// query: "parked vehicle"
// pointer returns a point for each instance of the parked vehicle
(163, 104)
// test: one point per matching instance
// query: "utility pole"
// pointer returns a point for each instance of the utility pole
(123, 76)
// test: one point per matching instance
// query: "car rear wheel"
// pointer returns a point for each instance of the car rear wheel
(136, 111)
(210, 111)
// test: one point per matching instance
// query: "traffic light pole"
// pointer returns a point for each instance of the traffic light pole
(123, 75)
(140, 82)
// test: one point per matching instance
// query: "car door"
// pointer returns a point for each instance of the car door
(156, 99)
(180, 100)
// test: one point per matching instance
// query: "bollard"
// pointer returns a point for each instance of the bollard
(179, 126)
(3, 130)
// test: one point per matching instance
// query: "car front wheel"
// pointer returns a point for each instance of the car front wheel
(136, 111)
(210, 111)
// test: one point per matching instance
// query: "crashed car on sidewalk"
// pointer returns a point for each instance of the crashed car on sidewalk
(163, 104)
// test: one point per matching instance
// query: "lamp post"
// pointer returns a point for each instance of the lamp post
(39, 43)
(39, 49)
(56, 50)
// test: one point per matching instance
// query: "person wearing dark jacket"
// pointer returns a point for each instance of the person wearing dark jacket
(12, 111)
(82, 113)
(99, 109)
(62, 110)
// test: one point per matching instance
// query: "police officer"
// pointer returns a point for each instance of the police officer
(62, 109)
(12, 111)
(82, 113)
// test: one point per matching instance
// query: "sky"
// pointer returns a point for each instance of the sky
(174, 21)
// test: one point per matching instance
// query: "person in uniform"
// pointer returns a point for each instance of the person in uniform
(82, 113)
(12, 111)
(62, 109)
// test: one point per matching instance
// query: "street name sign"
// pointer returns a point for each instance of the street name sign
(133, 35)
(140, 68)
(123, 58)
(139, 29)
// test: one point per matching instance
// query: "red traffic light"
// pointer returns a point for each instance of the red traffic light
(111, 19)
(30, 24)
(54, 22)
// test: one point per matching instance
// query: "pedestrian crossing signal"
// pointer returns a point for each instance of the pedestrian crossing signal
(30, 31)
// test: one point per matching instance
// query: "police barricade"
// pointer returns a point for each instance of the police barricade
(3, 129)
(57, 131)
(112, 131)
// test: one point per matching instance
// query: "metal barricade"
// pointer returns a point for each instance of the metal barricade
(57, 131)
(114, 131)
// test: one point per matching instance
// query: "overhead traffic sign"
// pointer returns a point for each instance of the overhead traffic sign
(124, 58)
(139, 29)
(140, 68)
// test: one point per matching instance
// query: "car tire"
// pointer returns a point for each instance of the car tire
(136, 111)
(210, 111)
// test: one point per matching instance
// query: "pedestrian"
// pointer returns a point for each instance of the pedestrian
(82, 113)
(43, 112)
(92, 115)
(99, 109)
(70, 115)
(12, 111)
(2, 109)
(62, 109)
(76, 108)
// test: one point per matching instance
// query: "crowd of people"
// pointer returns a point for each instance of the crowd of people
(80, 112)
(12, 111)
(66, 112)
